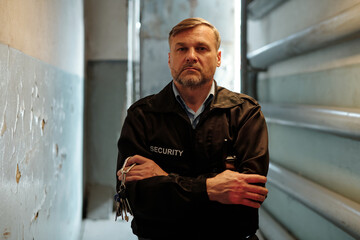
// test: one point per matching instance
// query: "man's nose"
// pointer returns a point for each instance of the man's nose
(191, 55)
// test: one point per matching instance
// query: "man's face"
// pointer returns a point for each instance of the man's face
(193, 56)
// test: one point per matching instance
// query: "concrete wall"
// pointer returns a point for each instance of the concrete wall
(325, 77)
(41, 119)
(157, 19)
(106, 44)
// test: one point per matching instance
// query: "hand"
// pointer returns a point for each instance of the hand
(231, 187)
(144, 168)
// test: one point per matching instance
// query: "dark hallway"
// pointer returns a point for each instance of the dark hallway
(69, 71)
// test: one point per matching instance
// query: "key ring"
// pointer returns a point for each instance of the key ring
(124, 172)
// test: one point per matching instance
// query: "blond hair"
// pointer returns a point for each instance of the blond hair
(191, 23)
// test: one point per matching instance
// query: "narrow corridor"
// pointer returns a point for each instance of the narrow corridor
(69, 70)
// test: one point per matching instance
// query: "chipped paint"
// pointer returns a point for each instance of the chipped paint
(31, 118)
(40, 149)
(3, 123)
(3, 126)
(42, 125)
(18, 173)
(17, 114)
(6, 234)
(37, 196)
(56, 150)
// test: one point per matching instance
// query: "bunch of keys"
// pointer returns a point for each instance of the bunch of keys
(122, 203)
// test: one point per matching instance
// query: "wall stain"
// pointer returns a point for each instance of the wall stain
(18, 173)
(6, 234)
(43, 125)
(56, 150)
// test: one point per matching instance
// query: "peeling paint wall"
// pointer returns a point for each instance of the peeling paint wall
(41, 119)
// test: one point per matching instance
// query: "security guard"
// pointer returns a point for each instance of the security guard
(201, 151)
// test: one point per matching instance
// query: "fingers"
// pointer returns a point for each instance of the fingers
(137, 159)
(230, 187)
(133, 159)
(255, 197)
(248, 199)
(256, 189)
(134, 178)
(253, 200)
(254, 178)
(144, 168)
(255, 194)
(119, 173)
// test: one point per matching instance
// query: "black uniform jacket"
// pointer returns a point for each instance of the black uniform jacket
(177, 206)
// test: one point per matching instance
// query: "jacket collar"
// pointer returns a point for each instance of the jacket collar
(165, 100)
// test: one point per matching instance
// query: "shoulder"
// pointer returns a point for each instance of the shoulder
(227, 98)
(155, 102)
(141, 103)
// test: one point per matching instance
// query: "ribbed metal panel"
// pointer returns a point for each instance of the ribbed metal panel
(321, 35)
(341, 211)
(340, 121)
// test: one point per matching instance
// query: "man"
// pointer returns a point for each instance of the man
(200, 150)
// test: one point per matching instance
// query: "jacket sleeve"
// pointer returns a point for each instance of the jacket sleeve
(251, 140)
(156, 197)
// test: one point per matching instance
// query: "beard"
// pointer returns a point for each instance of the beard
(191, 80)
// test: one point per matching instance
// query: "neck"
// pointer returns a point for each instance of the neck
(194, 96)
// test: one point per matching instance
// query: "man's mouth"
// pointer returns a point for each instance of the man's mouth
(191, 69)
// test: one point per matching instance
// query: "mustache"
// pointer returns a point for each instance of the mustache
(190, 66)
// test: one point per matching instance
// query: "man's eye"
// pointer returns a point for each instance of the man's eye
(201, 48)
(181, 49)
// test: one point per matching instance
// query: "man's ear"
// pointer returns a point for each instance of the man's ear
(169, 59)
(218, 59)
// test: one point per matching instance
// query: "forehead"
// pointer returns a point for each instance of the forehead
(198, 34)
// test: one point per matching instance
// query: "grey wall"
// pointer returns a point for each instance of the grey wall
(106, 107)
(41, 119)
(327, 77)
(106, 47)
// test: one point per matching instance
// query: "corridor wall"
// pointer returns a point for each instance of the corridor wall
(325, 79)
(106, 68)
(41, 119)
